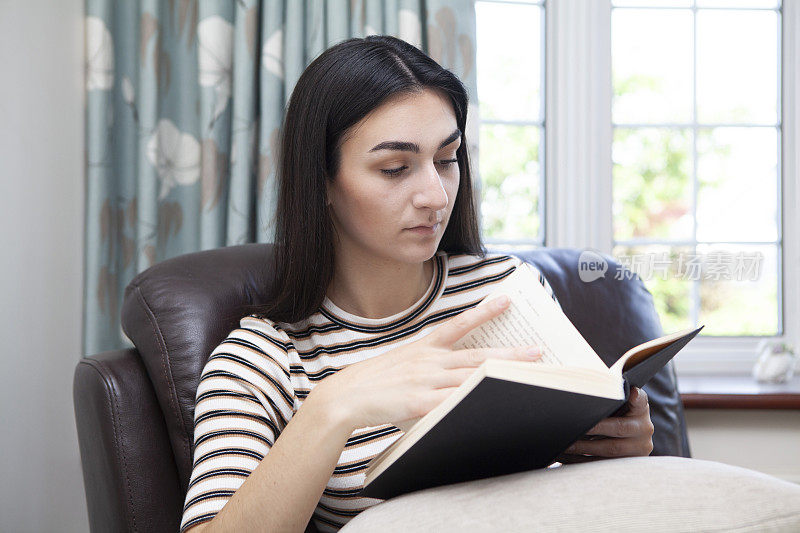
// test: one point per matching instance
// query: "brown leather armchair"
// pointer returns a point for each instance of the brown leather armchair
(134, 408)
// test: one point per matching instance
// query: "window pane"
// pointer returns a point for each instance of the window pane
(652, 65)
(738, 3)
(737, 191)
(738, 292)
(652, 3)
(665, 276)
(509, 167)
(737, 66)
(509, 60)
(652, 183)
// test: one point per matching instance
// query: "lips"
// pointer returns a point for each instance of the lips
(425, 230)
(428, 226)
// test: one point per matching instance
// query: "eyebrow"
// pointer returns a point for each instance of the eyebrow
(413, 147)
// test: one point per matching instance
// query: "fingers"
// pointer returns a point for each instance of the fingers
(437, 396)
(619, 426)
(612, 447)
(568, 458)
(628, 435)
(459, 365)
(457, 327)
(474, 357)
(450, 378)
(635, 423)
(638, 402)
(456, 370)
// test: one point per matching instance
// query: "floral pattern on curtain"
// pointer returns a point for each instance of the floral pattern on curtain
(184, 100)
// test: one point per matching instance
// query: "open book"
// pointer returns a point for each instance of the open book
(513, 415)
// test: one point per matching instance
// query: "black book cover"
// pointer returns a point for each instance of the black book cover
(502, 427)
(646, 369)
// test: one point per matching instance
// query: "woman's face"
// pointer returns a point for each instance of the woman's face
(397, 180)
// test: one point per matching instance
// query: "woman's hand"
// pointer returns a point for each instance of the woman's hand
(408, 381)
(622, 436)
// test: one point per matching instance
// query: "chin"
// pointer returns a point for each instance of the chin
(420, 253)
(409, 253)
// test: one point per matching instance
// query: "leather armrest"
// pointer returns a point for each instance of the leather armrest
(129, 470)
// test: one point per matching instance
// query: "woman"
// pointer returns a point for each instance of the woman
(377, 248)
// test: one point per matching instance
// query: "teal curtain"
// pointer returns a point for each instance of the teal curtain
(184, 99)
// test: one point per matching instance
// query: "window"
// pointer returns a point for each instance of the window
(667, 129)
(696, 181)
(510, 71)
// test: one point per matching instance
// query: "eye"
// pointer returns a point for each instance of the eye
(393, 171)
(396, 171)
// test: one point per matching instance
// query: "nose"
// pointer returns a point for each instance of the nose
(430, 192)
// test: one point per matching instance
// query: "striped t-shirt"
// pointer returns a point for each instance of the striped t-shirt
(259, 376)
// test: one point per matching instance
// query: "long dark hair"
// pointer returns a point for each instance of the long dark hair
(338, 89)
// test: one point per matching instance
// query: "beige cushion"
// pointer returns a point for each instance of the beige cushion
(627, 494)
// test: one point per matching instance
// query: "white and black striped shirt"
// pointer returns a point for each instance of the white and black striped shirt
(259, 376)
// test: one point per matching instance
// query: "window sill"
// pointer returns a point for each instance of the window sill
(737, 392)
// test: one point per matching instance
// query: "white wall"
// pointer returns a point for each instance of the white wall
(763, 440)
(41, 240)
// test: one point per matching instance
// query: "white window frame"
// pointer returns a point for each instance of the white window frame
(578, 166)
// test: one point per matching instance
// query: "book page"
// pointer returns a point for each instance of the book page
(533, 318)
(511, 329)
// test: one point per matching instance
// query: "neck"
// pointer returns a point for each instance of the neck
(370, 287)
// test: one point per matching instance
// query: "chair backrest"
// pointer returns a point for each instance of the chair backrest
(172, 313)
